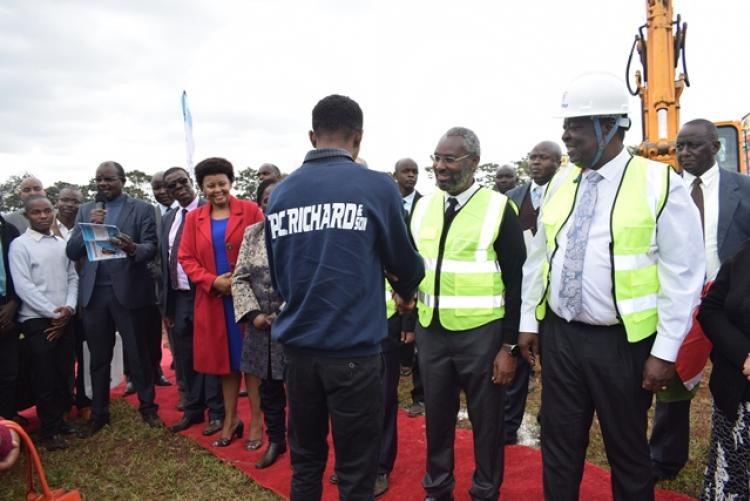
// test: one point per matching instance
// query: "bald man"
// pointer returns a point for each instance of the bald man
(268, 171)
(506, 178)
(28, 187)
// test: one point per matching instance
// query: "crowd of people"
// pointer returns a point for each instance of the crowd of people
(337, 280)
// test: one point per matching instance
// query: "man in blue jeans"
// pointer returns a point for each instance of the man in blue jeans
(333, 229)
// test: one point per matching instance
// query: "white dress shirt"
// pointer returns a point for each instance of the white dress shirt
(183, 283)
(44, 278)
(538, 191)
(710, 187)
(65, 232)
(680, 272)
(164, 208)
(409, 201)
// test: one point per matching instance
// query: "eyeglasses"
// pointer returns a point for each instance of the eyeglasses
(101, 179)
(449, 160)
(183, 181)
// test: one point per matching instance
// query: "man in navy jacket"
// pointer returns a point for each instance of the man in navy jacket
(332, 230)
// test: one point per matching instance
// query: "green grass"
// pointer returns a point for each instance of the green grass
(130, 461)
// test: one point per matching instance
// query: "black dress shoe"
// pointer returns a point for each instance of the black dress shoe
(269, 457)
(445, 497)
(91, 428)
(162, 381)
(214, 426)
(153, 420)
(53, 443)
(184, 423)
(129, 389)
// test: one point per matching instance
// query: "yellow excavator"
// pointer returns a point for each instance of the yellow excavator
(660, 48)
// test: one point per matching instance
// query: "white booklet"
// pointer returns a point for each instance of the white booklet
(96, 238)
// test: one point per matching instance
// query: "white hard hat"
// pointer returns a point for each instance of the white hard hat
(594, 94)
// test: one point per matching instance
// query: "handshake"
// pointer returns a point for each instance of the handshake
(403, 306)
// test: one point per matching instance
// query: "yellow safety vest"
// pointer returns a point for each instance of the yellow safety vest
(640, 199)
(472, 292)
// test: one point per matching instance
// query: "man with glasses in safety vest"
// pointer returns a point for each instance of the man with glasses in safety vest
(609, 276)
(468, 310)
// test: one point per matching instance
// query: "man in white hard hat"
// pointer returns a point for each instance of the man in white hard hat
(609, 277)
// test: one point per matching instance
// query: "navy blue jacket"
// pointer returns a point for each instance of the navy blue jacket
(332, 228)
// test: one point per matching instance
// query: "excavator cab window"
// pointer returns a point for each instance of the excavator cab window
(729, 154)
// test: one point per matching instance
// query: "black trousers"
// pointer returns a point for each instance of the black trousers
(52, 362)
(101, 317)
(587, 369)
(391, 376)
(273, 405)
(670, 436)
(348, 392)
(515, 398)
(202, 391)
(451, 361)
(8, 370)
(76, 387)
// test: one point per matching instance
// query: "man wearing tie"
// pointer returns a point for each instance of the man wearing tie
(723, 200)
(544, 160)
(468, 307)
(117, 293)
(609, 276)
(201, 391)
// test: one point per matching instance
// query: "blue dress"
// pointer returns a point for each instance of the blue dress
(218, 230)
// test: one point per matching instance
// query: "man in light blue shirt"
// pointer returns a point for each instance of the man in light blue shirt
(47, 284)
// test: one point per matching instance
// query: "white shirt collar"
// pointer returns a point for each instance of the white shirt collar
(465, 195)
(707, 178)
(36, 236)
(612, 170)
(409, 199)
(193, 205)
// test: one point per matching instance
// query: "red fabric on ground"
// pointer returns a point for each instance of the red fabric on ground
(523, 465)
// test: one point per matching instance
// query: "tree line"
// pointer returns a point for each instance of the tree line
(138, 185)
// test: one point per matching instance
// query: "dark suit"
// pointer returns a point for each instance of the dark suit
(670, 437)
(517, 392)
(200, 391)
(407, 352)
(9, 338)
(120, 302)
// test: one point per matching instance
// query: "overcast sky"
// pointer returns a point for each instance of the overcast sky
(82, 81)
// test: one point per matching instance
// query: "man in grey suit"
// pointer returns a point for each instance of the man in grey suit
(200, 391)
(116, 294)
(544, 160)
(723, 200)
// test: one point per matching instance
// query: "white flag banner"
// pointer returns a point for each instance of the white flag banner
(187, 117)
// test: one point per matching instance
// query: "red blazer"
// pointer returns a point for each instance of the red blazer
(210, 345)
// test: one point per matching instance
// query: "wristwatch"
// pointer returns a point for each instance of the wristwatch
(512, 349)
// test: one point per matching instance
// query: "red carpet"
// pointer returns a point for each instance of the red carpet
(523, 473)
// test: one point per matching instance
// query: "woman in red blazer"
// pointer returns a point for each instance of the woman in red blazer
(210, 243)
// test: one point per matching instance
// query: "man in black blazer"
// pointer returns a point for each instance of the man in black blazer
(723, 200)
(9, 330)
(201, 391)
(406, 174)
(544, 160)
(116, 294)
